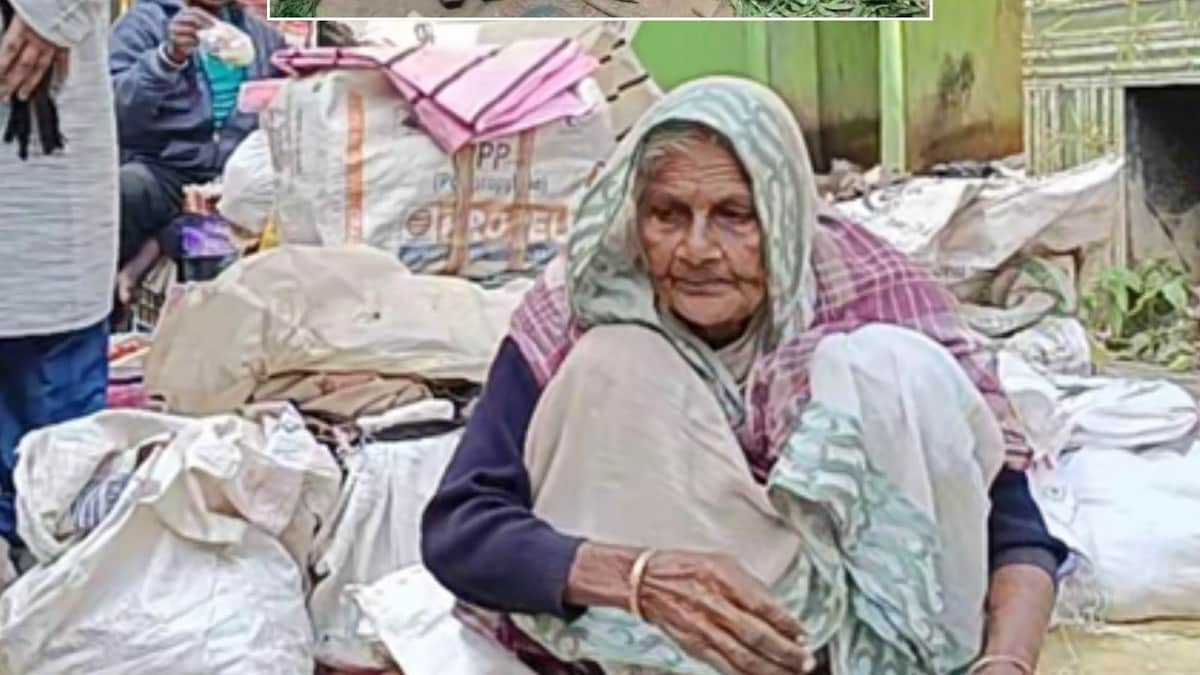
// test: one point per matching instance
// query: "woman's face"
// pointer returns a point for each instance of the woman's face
(702, 239)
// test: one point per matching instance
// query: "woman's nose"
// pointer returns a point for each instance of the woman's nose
(699, 245)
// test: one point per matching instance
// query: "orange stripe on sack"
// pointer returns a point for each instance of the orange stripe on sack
(356, 191)
(522, 207)
(464, 172)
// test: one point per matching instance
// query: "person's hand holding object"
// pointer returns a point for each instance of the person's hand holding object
(25, 57)
(183, 34)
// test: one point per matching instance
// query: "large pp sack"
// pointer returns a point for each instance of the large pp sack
(196, 570)
(377, 530)
(354, 168)
(1060, 412)
(1134, 516)
(965, 230)
(300, 309)
(248, 185)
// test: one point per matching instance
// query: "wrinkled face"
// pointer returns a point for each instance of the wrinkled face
(702, 239)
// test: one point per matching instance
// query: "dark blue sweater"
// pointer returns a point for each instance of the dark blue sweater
(483, 543)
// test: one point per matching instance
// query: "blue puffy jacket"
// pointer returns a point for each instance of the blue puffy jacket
(164, 116)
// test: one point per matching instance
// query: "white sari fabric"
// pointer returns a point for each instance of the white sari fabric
(871, 527)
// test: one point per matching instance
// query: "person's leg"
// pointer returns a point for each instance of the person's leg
(45, 380)
(629, 446)
(151, 197)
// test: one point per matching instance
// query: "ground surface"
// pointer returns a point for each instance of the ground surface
(1158, 648)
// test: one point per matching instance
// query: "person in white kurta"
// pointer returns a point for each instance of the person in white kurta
(58, 233)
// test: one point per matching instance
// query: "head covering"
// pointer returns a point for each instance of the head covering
(825, 275)
(603, 282)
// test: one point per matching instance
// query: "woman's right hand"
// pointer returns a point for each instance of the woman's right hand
(708, 604)
(718, 613)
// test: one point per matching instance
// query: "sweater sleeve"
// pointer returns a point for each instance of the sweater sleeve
(480, 538)
(1017, 532)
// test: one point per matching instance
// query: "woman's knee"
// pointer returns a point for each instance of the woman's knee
(625, 349)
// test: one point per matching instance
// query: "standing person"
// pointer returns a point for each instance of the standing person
(177, 114)
(59, 222)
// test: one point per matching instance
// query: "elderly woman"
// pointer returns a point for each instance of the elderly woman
(734, 433)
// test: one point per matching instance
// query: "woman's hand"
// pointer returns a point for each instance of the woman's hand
(720, 614)
(708, 604)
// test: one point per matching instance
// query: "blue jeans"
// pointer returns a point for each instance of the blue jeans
(45, 380)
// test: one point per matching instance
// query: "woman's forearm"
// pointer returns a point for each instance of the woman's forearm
(1020, 602)
(599, 577)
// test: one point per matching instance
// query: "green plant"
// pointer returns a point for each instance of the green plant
(879, 9)
(294, 9)
(1148, 313)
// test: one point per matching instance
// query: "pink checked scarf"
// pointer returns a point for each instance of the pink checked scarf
(860, 280)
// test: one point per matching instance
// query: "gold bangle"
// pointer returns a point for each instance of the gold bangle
(1020, 664)
(635, 581)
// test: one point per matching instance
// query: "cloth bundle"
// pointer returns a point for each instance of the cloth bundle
(38, 110)
(228, 44)
(464, 95)
(196, 568)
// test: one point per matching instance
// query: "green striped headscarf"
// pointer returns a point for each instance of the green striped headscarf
(604, 282)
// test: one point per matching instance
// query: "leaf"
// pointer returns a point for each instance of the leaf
(1177, 294)
(1116, 321)
(1182, 363)
(1140, 343)
(1129, 279)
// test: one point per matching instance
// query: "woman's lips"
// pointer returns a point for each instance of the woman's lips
(700, 286)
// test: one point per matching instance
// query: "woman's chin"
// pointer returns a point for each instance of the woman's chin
(710, 316)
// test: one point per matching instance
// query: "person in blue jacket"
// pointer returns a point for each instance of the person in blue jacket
(177, 112)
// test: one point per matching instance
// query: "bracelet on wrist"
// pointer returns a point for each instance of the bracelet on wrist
(636, 574)
(998, 659)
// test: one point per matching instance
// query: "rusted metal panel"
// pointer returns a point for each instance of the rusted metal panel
(1080, 55)
(1080, 61)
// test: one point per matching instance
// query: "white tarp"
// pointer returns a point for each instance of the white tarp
(411, 614)
(309, 309)
(377, 530)
(962, 227)
(248, 185)
(1119, 483)
(197, 570)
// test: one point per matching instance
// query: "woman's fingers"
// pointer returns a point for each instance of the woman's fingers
(743, 659)
(38, 59)
(713, 646)
(749, 594)
(764, 639)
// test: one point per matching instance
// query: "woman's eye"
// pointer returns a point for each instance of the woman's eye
(735, 216)
(668, 215)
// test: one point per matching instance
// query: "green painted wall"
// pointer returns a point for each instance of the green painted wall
(848, 90)
(963, 88)
(956, 91)
(678, 51)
